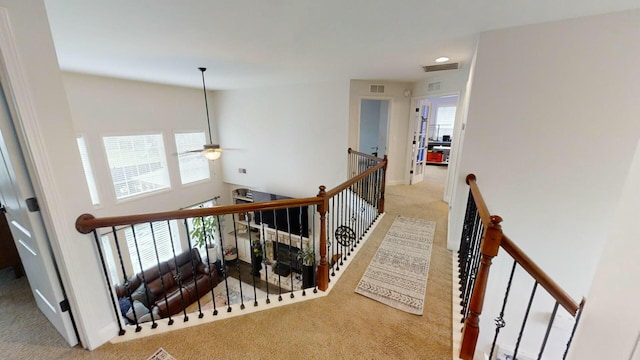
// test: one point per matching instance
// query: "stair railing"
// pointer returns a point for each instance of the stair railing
(173, 284)
(482, 237)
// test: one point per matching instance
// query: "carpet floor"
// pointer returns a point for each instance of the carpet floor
(340, 325)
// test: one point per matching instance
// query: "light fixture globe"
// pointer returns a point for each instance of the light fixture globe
(212, 152)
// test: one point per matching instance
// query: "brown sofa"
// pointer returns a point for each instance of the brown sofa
(147, 287)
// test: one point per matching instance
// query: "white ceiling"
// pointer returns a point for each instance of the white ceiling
(249, 43)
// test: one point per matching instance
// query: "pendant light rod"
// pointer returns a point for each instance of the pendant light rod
(206, 103)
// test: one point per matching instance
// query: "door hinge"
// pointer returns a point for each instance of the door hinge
(32, 204)
(417, 109)
(411, 172)
(64, 305)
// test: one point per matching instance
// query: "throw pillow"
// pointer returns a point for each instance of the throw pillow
(142, 294)
(140, 311)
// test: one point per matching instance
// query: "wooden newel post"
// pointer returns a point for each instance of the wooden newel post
(384, 182)
(323, 266)
(489, 249)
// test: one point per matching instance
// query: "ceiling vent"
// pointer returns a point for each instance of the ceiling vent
(441, 67)
(434, 86)
(377, 89)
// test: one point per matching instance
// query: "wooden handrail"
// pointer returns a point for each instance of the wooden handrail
(345, 185)
(368, 156)
(540, 276)
(87, 222)
(485, 215)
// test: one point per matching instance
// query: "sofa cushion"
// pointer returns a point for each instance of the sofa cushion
(144, 295)
(140, 310)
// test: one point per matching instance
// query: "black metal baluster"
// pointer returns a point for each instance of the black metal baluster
(155, 248)
(126, 283)
(345, 222)
(499, 321)
(208, 238)
(264, 251)
(235, 236)
(224, 263)
(546, 335)
(177, 277)
(336, 265)
(144, 280)
(524, 321)
(573, 332)
(254, 257)
(314, 211)
(275, 224)
(193, 271)
(291, 276)
(109, 287)
(304, 293)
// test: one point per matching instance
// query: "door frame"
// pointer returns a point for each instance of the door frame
(369, 97)
(455, 144)
(23, 109)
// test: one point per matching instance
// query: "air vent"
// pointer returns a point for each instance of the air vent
(378, 89)
(434, 86)
(441, 67)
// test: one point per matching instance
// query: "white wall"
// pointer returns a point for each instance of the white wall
(56, 170)
(102, 106)
(397, 171)
(545, 159)
(296, 133)
(616, 285)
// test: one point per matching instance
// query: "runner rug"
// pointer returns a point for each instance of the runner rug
(397, 274)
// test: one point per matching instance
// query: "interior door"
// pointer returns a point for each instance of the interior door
(419, 153)
(28, 229)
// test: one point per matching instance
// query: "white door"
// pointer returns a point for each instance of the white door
(419, 145)
(28, 230)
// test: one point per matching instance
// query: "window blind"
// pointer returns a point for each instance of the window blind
(165, 235)
(193, 166)
(138, 164)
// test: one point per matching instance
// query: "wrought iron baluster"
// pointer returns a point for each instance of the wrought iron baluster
(313, 243)
(178, 279)
(275, 224)
(524, 321)
(301, 251)
(109, 287)
(224, 262)
(573, 331)
(254, 267)
(335, 266)
(193, 271)
(144, 280)
(546, 335)
(291, 276)
(264, 247)
(208, 238)
(235, 236)
(500, 319)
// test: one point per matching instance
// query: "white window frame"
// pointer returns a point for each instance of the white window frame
(184, 158)
(88, 170)
(163, 181)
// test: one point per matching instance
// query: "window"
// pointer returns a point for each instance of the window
(193, 166)
(108, 254)
(138, 164)
(443, 122)
(203, 249)
(88, 172)
(167, 240)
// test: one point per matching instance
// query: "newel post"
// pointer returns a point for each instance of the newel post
(489, 249)
(323, 266)
(384, 182)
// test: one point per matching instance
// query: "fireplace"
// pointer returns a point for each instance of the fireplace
(287, 258)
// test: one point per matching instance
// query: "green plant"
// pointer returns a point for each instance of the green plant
(203, 231)
(307, 256)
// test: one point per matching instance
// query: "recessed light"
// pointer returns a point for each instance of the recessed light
(442, 59)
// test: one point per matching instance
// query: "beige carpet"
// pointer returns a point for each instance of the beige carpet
(397, 274)
(341, 325)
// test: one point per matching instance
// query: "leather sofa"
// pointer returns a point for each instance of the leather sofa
(169, 278)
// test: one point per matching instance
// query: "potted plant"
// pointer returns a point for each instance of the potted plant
(203, 234)
(308, 259)
(256, 257)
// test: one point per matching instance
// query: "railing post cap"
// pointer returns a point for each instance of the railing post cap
(496, 219)
(84, 217)
(470, 177)
(322, 191)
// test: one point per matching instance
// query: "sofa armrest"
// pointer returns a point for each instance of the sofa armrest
(134, 283)
(204, 269)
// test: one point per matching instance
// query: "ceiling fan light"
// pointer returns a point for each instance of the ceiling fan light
(212, 154)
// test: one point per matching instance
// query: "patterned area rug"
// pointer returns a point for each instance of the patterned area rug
(220, 292)
(397, 274)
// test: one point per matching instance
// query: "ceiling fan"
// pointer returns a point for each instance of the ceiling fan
(210, 151)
